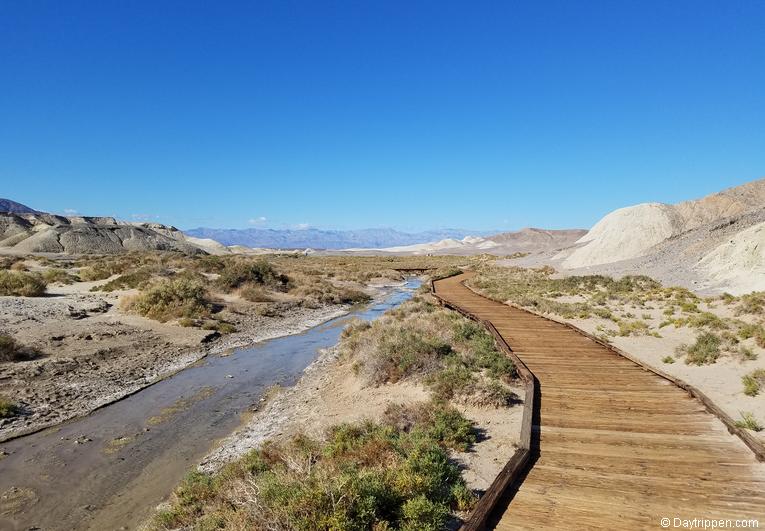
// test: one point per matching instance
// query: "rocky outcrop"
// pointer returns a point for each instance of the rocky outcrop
(49, 233)
(635, 231)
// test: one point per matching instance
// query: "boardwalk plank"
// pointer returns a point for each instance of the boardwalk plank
(618, 446)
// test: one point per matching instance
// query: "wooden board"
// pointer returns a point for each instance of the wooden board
(613, 444)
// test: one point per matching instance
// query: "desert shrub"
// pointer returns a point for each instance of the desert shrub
(668, 359)
(752, 303)
(21, 284)
(708, 320)
(254, 293)
(171, 299)
(222, 327)
(10, 350)
(316, 291)
(704, 351)
(8, 408)
(748, 422)
(406, 351)
(747, 330)
(456, 358)
(633, 328)
(52, 276)
(746, 353)
(240, 272)
(363, 476)
(137, 278)
(753, 382)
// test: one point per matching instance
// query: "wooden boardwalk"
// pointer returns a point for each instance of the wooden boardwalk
(614, 446)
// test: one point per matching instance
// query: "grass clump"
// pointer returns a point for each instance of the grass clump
(753, 382)
(172, 299)
(8, 408)
(10, 350)
(748, 422)
(21, 284)
(704, 351)
(395, 474)
(668, 359)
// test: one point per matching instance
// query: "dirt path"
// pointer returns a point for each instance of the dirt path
(617, 446)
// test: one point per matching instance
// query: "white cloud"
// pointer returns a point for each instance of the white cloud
(303, 226)
(257, 221)
(70, 211)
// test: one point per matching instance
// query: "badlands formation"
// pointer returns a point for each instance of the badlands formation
(715, 243)
(26, 232)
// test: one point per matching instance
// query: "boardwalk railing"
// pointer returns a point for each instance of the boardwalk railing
(518, 462)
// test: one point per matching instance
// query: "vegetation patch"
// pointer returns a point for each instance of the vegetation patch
(454, 356)
(21, 284)
(238, 273)
(748, 422)
(8, 408)
(704, 351)
(11, 350)
(59, 276)
(753, 382)
(395, 474)
(172, 299)
(138, 278)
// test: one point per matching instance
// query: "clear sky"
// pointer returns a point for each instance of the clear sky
(411, 114)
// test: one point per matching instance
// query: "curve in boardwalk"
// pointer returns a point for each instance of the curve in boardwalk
(615, 446)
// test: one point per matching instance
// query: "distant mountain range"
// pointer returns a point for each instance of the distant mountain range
(327, 239)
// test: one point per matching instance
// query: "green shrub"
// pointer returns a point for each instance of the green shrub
(668, 359)
(364, 476)
(240, 272)
(752, 304)
(753, 382)
(8, 408)
(172, 299)
(21, 284)
(708, 320)
(747, 330)
(633, 328)
(10, 350)
(748, 422)
(704, 351)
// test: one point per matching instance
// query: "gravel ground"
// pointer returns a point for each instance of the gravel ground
(94, 354)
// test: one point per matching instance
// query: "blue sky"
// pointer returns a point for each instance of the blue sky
(413, 115)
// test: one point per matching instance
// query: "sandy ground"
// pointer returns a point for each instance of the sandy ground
(95, 354)
(330, 393)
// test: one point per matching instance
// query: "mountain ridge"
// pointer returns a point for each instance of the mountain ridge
(373, 238)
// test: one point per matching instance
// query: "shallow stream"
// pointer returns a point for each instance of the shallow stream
(108, 470)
